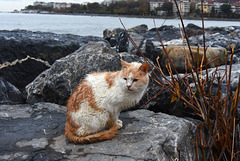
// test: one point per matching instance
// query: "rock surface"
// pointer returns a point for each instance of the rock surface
(36, 132)
(177, 55)
(18, 44)
(221, 72)
(9, 94)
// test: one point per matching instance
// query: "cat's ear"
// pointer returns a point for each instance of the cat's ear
(144, 67)
(124, 64)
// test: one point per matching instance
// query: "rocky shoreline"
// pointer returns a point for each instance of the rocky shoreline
(33, 95)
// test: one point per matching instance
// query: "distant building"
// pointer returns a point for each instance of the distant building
(207, 7)
(154, 5)
(183, 5)
(236, 7)
(53, 4)
(62, 5)
(39, 3)
(108, 2)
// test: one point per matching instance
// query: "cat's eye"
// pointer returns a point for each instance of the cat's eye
(134, 80)
(125, 78)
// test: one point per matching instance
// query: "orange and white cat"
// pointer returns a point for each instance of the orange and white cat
(97, 102)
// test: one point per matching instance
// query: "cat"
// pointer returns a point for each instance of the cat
(98, 100)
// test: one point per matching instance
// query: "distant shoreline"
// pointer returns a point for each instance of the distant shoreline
(138, 16)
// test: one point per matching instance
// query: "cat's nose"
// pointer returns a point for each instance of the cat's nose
(128, 86)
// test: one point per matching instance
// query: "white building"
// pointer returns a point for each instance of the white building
(183, 5)
(39, 3)
(108, 2)
(236, 8)
(154, 5)
(62, 5)
(53, 4)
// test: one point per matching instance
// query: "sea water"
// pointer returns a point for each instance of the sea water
(86, 25)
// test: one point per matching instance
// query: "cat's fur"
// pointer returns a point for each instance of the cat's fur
(99, 99)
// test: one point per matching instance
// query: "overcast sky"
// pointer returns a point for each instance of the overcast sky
(10, 5)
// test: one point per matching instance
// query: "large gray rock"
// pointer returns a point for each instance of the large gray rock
(138, 39)
(57, 83)
(18, 44)
(139, 29)
(36, 132)
(235, 73)
(9, 94)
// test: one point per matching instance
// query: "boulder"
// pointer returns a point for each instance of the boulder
(167, 33)
(138, 40)
(192, 30)
(112, 36)
(36, 132)
(122, 42)
(164, 28)
(150, 50)
(221, 72)
(58, 82)
(139, 29)
(192, 26)
(9, 94)
(177, 55)
(18, 44)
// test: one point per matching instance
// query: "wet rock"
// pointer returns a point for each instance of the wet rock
(27, 131)
(194, 32)
(150, 50)
(145, 136)
(18, 44)
(166, 33)
(107, 34)
(138, 40)
(139, 29)
(234, 34)
(113, 36)
(164, 28)
(192, 26)
(9, 94)
(122, 42)
(221, 72)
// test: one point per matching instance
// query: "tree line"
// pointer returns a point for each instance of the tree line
(132, 7)
(129, 7)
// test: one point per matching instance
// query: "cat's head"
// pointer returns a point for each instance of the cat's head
(134, 76)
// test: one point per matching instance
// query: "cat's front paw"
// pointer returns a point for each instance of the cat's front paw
(120, 124)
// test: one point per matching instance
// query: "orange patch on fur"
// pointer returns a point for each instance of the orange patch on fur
(110, 77)
(83, 93)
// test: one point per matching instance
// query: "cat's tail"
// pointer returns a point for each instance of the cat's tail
(101, 136)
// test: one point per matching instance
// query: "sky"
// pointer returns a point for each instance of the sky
(10, 5)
